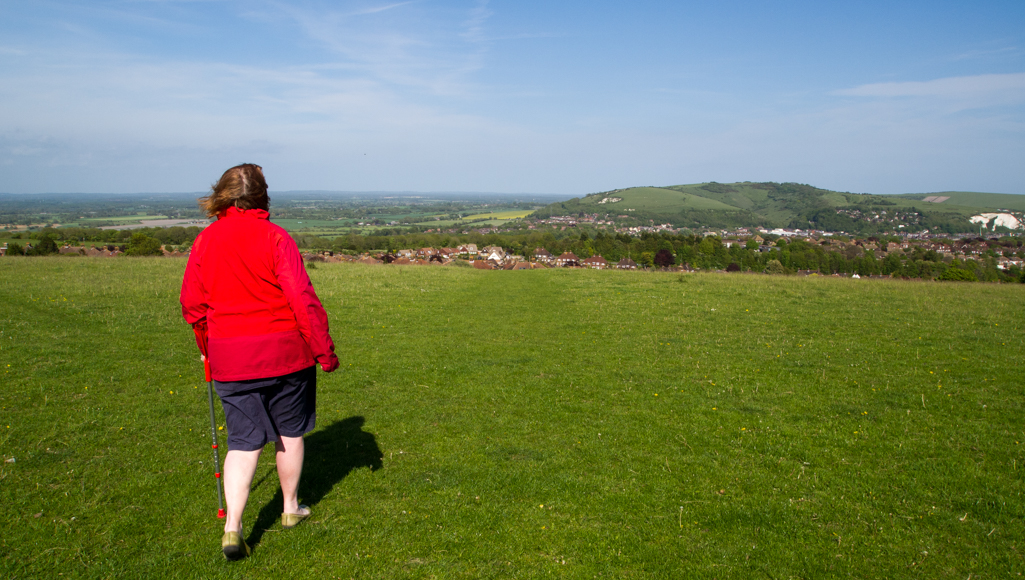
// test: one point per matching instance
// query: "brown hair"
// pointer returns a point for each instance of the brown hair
(242, 186)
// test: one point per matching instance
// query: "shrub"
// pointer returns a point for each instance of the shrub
(143, 245)
(775, 267)
(45, 247)
(956, 274)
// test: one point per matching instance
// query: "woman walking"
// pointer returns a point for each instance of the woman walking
(256, 316)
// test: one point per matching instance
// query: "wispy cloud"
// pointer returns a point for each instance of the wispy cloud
(974, 54)
(474, 26)
(403, 44)
(969, 91)
(376, 9)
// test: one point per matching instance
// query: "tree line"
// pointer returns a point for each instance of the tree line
(777, 255)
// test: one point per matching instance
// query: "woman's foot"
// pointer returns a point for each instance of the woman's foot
(233, 546)
(292, 520)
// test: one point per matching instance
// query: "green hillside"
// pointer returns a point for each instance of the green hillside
(793, 205)
(972, 199)
(657, 199)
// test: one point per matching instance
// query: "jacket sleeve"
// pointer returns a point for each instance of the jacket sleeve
(309, 312)
(193, 296)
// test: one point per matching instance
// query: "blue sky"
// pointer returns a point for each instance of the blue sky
(538, 97)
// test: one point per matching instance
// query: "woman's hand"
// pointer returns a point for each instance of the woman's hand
(329, 365)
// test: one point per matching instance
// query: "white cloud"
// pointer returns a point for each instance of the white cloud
(979, 90)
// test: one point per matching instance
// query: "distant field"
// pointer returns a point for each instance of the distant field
(126, 218)
(293, 225)
(501, 215)
(331, 228)
(551, 423)
(491, 218)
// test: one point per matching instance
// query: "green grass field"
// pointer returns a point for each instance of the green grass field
(547, 423)
(125, 218)
(495, 218)
(501, 215)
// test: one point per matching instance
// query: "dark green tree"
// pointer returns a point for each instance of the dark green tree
(44, 247)
(143, 245)
(647, 259)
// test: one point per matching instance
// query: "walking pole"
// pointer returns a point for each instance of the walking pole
(213, 434)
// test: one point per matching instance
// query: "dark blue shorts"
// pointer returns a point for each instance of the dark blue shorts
(258, 411)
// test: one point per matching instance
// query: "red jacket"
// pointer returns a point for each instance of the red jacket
(246, 284)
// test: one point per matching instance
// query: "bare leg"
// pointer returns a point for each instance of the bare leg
(289, 456)
(239, 468)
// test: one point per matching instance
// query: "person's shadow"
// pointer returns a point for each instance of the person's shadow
(330, 455)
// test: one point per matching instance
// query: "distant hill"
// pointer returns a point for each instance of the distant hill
(794, 205)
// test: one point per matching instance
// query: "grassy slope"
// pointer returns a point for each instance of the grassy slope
(533, 423)
(745, 196)
(975, 201)
(757, 200)
(652, 199)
